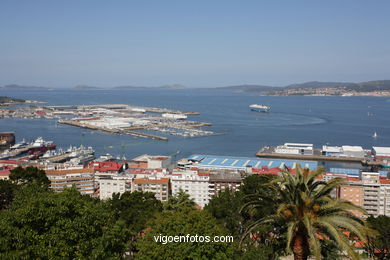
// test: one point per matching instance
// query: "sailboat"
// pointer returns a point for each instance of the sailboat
(375, 135)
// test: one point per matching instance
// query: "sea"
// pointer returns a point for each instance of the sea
(317, 120)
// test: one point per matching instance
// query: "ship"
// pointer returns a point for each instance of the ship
(260, 108)
(22, 144)
(41, 145)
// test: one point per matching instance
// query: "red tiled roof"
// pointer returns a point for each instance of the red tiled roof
(385, 181)
(60, 172)
(353, 178)
(5, 172)
(12, 162)
(151, 181)
(107, 166)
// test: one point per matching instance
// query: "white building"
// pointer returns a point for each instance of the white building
(114, 185)
(159, 162)
(82, 178)
(381, 152)
(332, 150)
(192, 182)
(295, 148)
(353, 151)
(384, 198)
(371, 188)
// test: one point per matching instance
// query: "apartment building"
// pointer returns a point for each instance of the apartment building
(195, 183)
(82, 178)
(220, 181)
(354, 193)
(109, 186)
(384, 197)
(160, 187)
(371, 188)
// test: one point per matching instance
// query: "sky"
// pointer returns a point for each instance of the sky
(197, 43)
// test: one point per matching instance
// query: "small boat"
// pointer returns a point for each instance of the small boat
(259, 108)
(375, 135)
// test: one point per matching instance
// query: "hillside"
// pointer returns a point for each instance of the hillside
(9, 100)
(15, 87)
(85, 87)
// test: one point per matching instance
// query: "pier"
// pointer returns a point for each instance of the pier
(83, 124)
(139, 134)
(309, 157)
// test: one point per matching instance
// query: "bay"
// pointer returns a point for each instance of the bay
(317, 120)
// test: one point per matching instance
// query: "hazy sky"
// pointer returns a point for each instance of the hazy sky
(196, 43)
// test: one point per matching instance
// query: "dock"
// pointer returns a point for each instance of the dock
(83, 124)
(309, 157)
(139, 134)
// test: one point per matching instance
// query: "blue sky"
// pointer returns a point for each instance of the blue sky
(196, 43)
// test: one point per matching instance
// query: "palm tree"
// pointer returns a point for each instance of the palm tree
(304, 205)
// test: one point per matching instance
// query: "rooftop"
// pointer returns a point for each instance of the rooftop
(151, 181)
(212, 161)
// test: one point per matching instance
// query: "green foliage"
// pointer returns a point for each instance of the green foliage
(225, 207)
(180, 201)
(30, 175)
(7, 190)
(180, 223)
(4, 99)
(48, 225)
(135, 209)
(308, 212)
(379, 245)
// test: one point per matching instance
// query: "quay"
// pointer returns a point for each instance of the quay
(111, 130)
(139, 134)
(308, 157)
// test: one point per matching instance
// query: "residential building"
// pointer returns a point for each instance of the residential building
(160, 187)
(4, 174)
(81, 178)
(195, 183)
(221, 181)
(118, 184)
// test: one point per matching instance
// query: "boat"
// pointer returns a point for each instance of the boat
(375, 135)
(22, 144)
(41, 145)
(259, 108)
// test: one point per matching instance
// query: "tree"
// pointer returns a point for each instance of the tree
(379, 246)
(135, 208)
(21, 176)
(181, 200)
(309, 213)
(7, 190)
(225, 207)
(183, 222)
(42, 224)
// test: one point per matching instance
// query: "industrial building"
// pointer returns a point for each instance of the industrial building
(244, 163)
(295, 148)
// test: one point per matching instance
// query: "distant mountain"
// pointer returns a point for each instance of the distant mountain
(129, 88)
(173, 86)
(85, 87)
(318, 84)
(24, 88)
(372, 85)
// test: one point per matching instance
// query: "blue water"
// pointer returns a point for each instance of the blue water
(317, 120)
